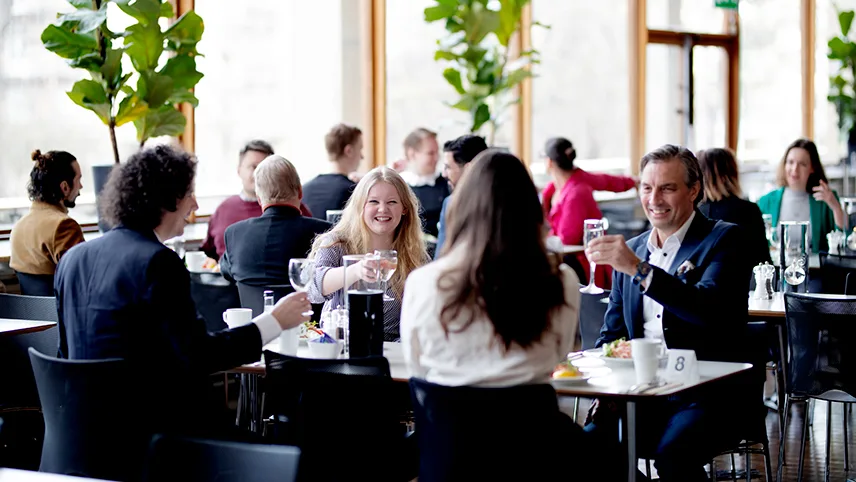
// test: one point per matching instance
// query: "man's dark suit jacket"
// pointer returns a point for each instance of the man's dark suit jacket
(258, 249)
(126, 295)
(704, 309)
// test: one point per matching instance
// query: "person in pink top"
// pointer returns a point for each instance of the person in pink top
(569, 199)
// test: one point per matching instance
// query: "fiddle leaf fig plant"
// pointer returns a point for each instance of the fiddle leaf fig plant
(842, 84)
(480, 64)
(146, 95)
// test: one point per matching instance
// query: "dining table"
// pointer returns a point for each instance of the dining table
(12, 327)
(614, 381)
(16, 475)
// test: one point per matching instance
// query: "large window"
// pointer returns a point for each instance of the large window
(416, 91)
(581, 91)
(35, 112)
(831, 144)
(282, 71)
(699, 16)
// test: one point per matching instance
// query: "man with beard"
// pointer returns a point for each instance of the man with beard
(47, 232)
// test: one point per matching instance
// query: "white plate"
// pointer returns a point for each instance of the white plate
(571, 381)
(598, 353)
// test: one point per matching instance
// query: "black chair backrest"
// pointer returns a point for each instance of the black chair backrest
(16, 377)
(348, 403)
(91, 428)
(254, 296)
(820, 330)
(592, 311)
(36, 284)
(834, 269)
(213, 295)
(198, 460)
(512, 428)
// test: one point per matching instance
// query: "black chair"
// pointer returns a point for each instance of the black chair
(254, 296)
(521, 428)
(91, 427)
(834, 270)
(36, 284)
(592, 311)
(345, 409)
(196, 460)
(213, 295)
(820, 362)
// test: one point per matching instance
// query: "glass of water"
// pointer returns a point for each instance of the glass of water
(388, 264)
(592, 229)
(300, 273)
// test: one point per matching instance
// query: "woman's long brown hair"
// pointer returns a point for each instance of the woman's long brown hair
(506, 274)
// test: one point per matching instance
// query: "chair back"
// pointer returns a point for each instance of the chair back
(254, 296)
(334, 215)
(471, 433)
(834, 269)
(198, 460)
(592, 311)
(90, 428)
(821, 363)
(16, 376)
(348, 403)
(213, 295)
(36, 284)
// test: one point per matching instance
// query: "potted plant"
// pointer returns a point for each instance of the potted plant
(476, 48)
(842, 83)
(149, 92)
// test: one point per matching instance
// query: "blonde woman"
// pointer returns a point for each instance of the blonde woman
(382, 214)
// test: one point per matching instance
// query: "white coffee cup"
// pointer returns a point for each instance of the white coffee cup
(235, 317)
(288, 341)
(195, 260)
(646, 357)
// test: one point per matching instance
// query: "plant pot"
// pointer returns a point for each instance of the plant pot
(100, 174)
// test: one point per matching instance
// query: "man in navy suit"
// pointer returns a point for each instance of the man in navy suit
(258, 249)
(684, 282)
(126, 295)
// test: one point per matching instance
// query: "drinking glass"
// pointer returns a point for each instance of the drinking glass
(300, 273)
(592, 229)
(793, 257)
(388, 264)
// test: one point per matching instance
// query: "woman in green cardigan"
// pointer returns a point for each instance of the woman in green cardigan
(804, 194)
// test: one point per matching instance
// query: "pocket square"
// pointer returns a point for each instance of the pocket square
(685, 268)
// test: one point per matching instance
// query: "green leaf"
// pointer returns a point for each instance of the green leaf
(478, 22)
(445, 55)
(465, 103)
(845, 20)
(144, 45)
(481, 115)
(130, 109)
(509, 21)
(91, 95)
(515, 77)
(67, 44)
(439, 12)
(85, 19)
(91, 62)
(839, 49)
(111, 71)
(167, 10)
(182, 70)
(155, 88)
(146, 12)
(165, 121)
(453, 77)
(185, 33)
(180, 96)
(81, 3)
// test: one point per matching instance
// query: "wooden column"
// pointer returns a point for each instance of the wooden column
(638, 37)
(188, 138)
(523, 131)
(807, 34)
(378, 82)
(732, 95)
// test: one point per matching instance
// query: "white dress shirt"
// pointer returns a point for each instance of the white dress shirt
(415, 180)
(661, 257)
(475, 356)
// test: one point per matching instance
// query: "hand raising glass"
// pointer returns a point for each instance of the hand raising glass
(592, 229)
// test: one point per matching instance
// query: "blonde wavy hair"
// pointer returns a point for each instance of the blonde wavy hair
(354, 235)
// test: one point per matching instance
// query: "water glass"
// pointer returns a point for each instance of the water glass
(388, 264)
(301, 271)
(794, 243)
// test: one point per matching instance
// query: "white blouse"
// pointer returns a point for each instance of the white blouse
(475, 356)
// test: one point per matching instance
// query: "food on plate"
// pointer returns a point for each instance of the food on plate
(566, 370)
(619, 348)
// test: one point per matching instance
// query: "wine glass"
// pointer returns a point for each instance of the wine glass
(592, 229)
(300, 273)
(388, 264)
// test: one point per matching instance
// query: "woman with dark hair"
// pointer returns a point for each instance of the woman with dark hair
(804, 194)
(47, 232)
(569, 199)
(722, 200)
(493, 311)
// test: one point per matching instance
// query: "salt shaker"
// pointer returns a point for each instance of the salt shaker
(763, 281)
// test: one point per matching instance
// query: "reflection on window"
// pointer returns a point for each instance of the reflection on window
(35, 112)
(416, 91)
(581, 91)
(276, 70)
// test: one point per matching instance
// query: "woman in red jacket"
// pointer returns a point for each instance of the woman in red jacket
(569, 199)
